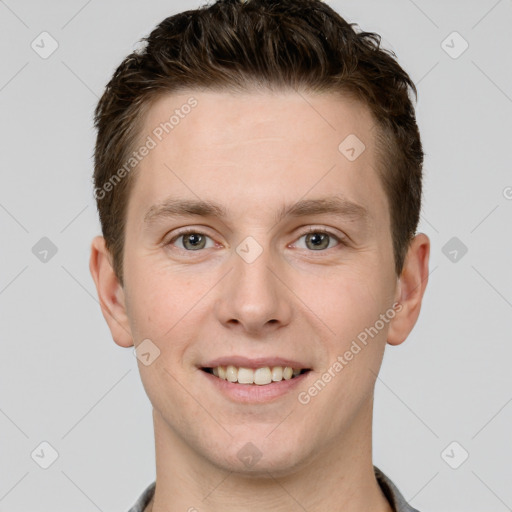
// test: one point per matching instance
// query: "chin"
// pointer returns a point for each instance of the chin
(249, 458)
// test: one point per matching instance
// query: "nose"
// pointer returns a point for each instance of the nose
(253, 297)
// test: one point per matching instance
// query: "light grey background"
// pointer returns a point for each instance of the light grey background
(63, 379)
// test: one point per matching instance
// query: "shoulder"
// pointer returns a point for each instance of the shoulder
(144, 498)
(392, 493)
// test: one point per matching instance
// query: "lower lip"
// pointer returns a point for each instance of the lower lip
(254, 393)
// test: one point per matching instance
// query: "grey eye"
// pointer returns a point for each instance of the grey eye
(318, 240)
(193, 241)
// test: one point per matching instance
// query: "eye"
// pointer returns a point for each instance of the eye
(319, 239)
(193, 240)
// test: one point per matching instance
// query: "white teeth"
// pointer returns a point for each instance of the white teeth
(245, 376)
(287, 373)
(231, 373)
(277, 373)
(260, 376)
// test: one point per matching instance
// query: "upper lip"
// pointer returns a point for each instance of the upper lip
(258, 362)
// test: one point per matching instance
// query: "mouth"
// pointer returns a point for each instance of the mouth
(257, 386)
(262, 376)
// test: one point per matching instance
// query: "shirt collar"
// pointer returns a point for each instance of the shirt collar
(393, 495)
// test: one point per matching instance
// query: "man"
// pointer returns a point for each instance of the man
(258, 180)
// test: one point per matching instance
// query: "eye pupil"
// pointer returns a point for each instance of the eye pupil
(195, 238)
(318, 239)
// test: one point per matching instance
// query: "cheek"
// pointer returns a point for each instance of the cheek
(166, 308)
(347, 300)
(154, 304)
(351, 306)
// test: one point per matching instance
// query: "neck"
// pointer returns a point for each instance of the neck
(339, 476)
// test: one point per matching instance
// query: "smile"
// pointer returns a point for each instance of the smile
(239, 391)
(257, 376)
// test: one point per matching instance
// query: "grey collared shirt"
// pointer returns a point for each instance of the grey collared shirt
(395, 498)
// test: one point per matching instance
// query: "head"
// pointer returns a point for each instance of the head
(248, 110)
(233, 45)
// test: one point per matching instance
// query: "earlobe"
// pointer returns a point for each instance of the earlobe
(110, 293)
(410, 289)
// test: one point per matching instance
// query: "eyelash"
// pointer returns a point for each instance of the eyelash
(188, 231)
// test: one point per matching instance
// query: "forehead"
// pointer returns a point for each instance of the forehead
(245, 117)
(253, 150)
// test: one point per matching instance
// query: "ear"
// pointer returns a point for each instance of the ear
(410, 289)
(110, 293)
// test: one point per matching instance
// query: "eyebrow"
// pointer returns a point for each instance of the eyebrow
(335, 205)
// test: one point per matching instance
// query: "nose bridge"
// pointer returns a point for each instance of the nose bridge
(252, 295)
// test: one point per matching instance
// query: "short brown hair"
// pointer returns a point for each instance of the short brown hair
(274, 44)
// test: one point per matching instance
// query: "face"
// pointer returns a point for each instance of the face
(288, 261)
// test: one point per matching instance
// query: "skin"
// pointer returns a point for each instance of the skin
(252, 153)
